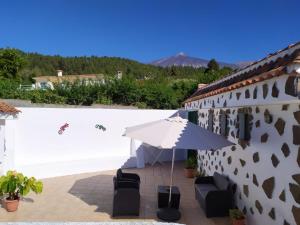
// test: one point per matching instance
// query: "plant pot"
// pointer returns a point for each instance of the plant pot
(11, 205)
(238, 222)
(189, 173)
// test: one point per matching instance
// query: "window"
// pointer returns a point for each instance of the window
(44, 85)
(223, 119)
(211, 121)
(193, 117)
(297, 85)
(244, 132)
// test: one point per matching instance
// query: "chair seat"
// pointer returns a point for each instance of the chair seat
(205, 187)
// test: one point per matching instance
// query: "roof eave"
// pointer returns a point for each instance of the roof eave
(262, 77)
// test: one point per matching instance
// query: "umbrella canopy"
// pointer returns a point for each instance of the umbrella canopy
(176, 133)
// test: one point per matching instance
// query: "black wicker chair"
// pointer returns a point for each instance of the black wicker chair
(214, 195)
(127, 176)
(126, 200)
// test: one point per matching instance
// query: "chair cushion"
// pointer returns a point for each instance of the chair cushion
(203, 194)
(220, 181)
(206, 187)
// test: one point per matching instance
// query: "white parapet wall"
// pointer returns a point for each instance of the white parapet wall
(83, 146)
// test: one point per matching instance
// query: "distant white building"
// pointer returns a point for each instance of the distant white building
(47, 82)
(119, 74)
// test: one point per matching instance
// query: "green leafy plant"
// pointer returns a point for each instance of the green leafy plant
(13, 185)
(191, 163)
(236, 214)
(200, 173)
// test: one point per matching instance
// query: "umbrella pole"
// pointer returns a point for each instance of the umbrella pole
(171, 182)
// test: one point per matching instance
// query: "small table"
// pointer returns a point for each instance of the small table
(163, 196)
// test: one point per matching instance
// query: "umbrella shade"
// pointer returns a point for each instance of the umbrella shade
(176, 133)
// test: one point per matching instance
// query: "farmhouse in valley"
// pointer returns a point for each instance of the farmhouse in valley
(44, 82)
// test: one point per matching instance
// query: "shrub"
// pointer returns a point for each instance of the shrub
(16, 184)
(191, 163)
(236, 214)
(141, 105)
(43, 96)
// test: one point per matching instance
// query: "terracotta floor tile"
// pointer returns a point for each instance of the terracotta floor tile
(88, 197)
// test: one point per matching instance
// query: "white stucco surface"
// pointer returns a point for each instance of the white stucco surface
(40, 151)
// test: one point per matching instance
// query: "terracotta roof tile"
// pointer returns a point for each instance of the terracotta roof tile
(261, 77)
(5, 108)
(250, 74)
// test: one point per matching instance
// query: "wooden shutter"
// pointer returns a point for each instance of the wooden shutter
(244, 133)
(211, 121)
(193, 117)
(223, 124)
(297, 87)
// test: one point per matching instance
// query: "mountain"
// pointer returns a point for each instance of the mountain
(182, 59)
(243, 64)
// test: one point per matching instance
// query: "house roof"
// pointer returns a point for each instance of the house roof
(272, 65)
(5, 108)
(70, 78)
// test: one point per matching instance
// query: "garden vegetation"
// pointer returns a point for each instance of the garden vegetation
(142, 85)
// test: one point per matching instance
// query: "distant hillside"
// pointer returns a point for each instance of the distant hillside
(183, 60)
(143, 85)
(46, 65)
(42, 65)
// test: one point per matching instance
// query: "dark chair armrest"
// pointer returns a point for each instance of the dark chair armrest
(131, 176)
(127, 184)
(204, 180)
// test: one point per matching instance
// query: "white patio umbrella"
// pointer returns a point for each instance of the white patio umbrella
(176, 133)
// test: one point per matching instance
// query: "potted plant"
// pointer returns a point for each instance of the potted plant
(13, 185)
(237, 217)
(190, 167)
(200, 173)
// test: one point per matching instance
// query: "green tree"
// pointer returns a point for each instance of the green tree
(11, 62)
(213, 65)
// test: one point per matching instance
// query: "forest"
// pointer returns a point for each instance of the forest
(142, 85)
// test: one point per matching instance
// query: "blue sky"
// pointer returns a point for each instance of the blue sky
(146, 30)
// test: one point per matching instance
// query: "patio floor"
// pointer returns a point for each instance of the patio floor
(88, 197)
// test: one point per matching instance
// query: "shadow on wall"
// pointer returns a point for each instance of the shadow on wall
(182, 113)
(146, 154)
(130, 163)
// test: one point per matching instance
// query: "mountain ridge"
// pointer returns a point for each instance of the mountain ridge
(181, 59)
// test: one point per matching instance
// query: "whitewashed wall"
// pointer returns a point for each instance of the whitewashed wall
(266, 169)
(40, 151)
(7, 142)
(2, 142)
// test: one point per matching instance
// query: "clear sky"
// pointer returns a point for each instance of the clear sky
(146, 30)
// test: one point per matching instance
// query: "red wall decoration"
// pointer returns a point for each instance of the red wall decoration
(62, 128)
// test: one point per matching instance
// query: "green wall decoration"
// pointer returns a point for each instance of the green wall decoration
(100, 127)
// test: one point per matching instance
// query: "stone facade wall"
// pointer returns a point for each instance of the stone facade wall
(265, 171)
